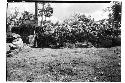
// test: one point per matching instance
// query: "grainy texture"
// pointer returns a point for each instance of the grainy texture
(65, 65)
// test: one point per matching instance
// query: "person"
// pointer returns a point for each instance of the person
(16, 45)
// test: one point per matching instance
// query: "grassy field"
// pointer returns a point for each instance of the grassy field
(65, 65)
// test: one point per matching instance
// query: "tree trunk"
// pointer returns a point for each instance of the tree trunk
(36, 7)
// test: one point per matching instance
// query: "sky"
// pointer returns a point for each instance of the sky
(64, 10)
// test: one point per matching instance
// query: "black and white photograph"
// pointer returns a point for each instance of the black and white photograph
(63, 41)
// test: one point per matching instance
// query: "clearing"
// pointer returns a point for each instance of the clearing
(65, 65)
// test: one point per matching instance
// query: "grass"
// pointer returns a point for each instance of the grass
(65, 65)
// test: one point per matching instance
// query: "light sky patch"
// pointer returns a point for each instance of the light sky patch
(65, 10)
(93, 9)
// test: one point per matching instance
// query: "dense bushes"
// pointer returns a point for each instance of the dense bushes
(82, 30)
(78, 28)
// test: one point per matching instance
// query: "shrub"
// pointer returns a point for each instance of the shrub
(77, 29)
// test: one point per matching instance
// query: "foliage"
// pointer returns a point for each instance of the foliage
(46, 11)
(115, 14)
(76, 29)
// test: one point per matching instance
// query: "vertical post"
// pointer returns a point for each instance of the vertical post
(42, 15)
(6, 18)
(36, 20)
(36, 13)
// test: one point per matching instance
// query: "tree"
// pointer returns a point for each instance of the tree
(116, 8)
(45, 11)
(115, 14)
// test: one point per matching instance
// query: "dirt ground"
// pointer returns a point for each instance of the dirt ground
(65, 65)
